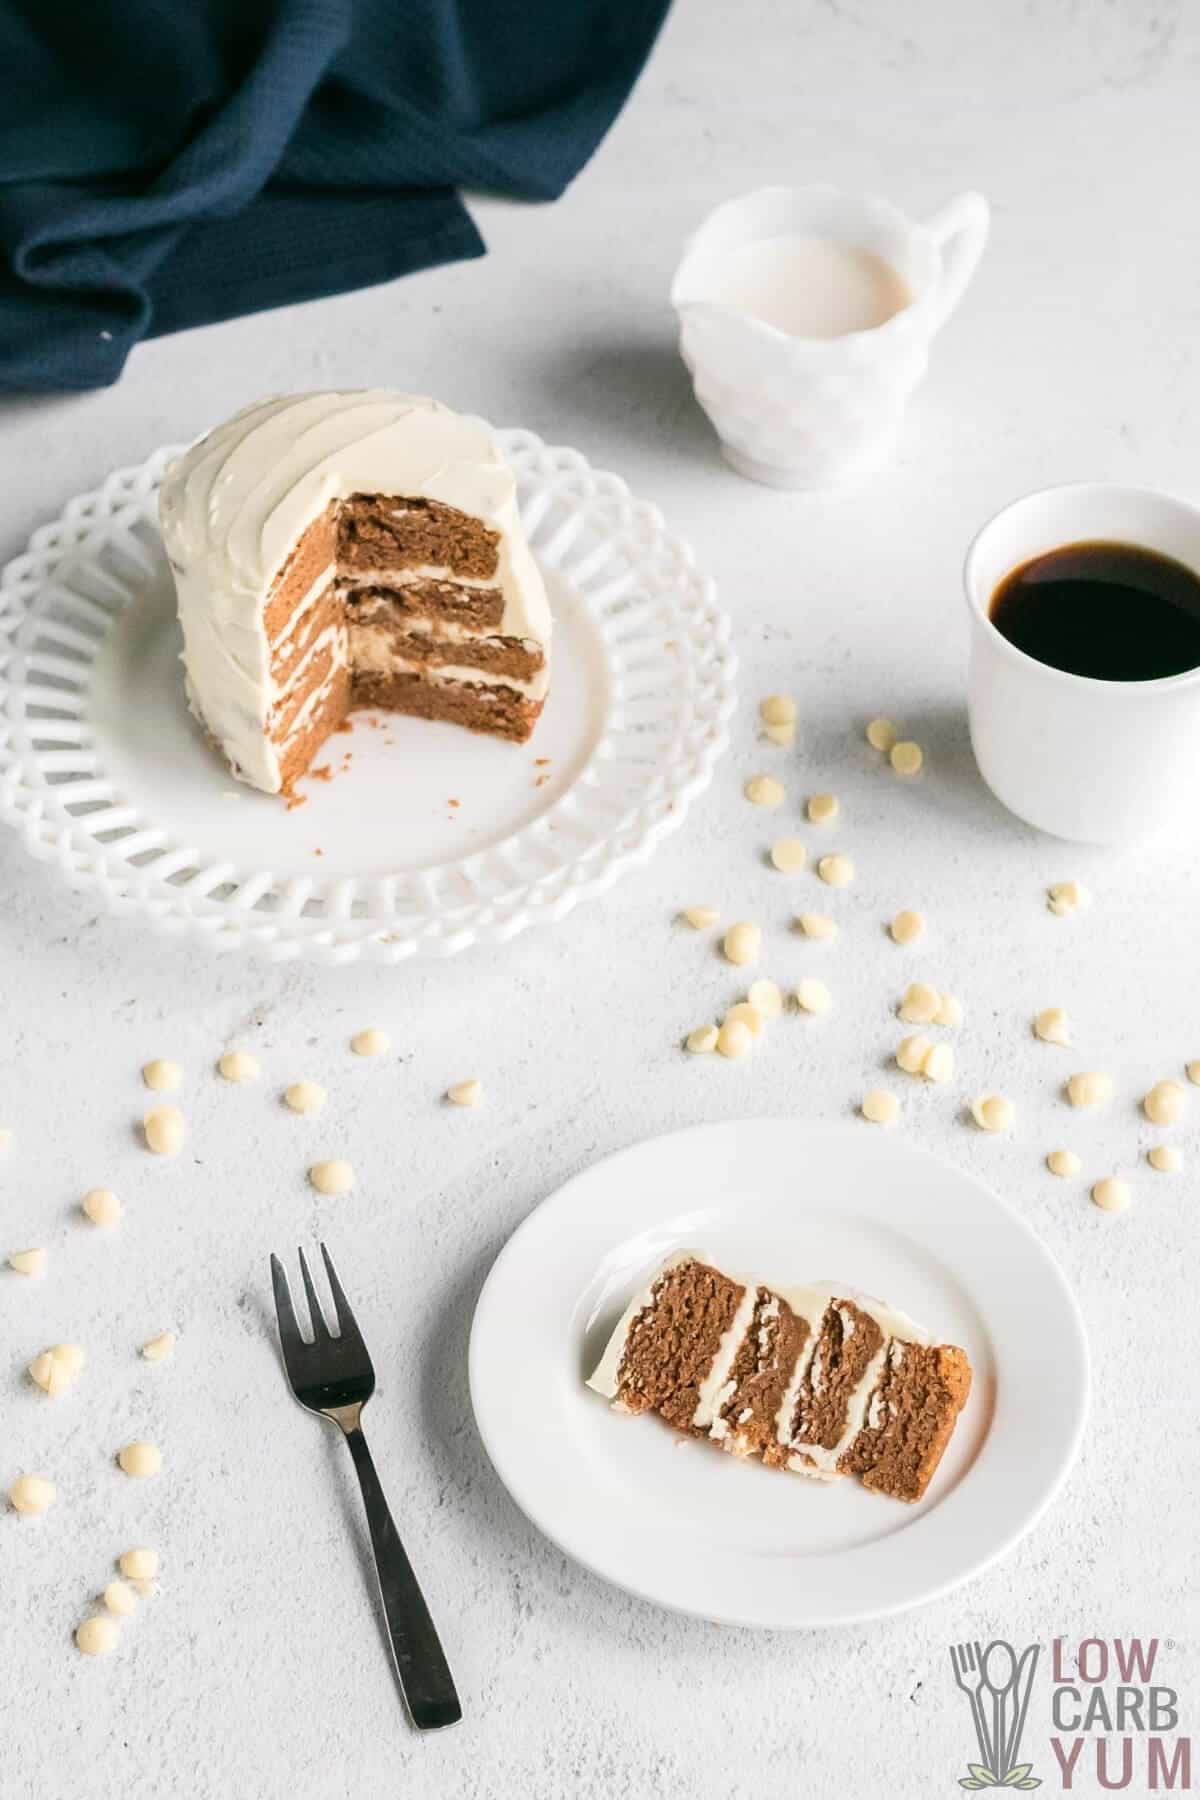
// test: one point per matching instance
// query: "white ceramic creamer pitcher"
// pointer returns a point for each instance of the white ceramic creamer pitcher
(817, 411)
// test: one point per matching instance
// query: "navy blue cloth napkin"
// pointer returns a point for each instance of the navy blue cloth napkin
(166, 163)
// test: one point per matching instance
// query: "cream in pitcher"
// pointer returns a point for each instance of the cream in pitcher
(805, 317)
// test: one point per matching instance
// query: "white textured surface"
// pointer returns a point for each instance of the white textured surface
(258, 1670)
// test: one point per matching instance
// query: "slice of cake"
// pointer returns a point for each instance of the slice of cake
(820, 1381)
(339, 550)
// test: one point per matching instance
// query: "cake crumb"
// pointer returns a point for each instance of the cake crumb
(465, 1093)
(333, 1177)
(541, 762)
(162, 1075)
(322, 773)
(880, 1106)
(292, 801)
(28, 1262)
(1063, 1163)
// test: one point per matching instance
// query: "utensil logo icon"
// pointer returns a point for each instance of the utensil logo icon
(997, 1683)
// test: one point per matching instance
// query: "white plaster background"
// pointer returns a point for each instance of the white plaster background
(258, 1672)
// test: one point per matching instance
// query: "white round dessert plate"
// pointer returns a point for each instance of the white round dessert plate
(673, 1519)
(421, 838)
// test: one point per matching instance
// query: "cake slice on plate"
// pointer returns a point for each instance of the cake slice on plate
(817, 1380)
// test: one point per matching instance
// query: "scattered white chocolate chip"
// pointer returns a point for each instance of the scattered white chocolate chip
(140, 1459)
(1166, 1158)
(812, 996)
(1063, 1162)
(1091, 1088)
(817, 925)
(735, 1038)
(911, 1053)
(783, 735)
(32, 1494)
(101, 1206)
(465, 1093)
(138, 1565)
(906, 758)
(161, 1075)
(700, 918)
(1166, 1103)
(788, 855)
(764, 790)
(836, 870)
(120, 1598)
(703, 1040)
(949, 1011)
(1193, 1073)
(371, 1042)
(880, 1107)
(1066, 897)
(160, 1348)
(165, 1130)
(939, 1063)
(881, 734)
(747, 1015)
(765, 998)
(777, 709)
(6, 1138)
(1052, 1026)
(98, 1635)
(742, 943)
(920, 1004)
(992, 1112)
(907, 926)
(823, 808)
(1111, 1194)
(28, 1262)
(335, 1177)
(305, 1096)
(239, 1065)
(55, 1369)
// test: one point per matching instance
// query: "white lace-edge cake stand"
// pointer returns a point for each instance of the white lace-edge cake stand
(426, 838)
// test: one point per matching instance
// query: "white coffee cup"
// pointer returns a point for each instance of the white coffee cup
(1102, 762)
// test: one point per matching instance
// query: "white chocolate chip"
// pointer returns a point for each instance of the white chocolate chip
(992, 1112)
(700, 918)
(98, 1635)
(165, 1130)
(162, 1075)
(911, 1053)
(939, 1063)
(765, 998)
(823, 808)
(335, 1177)
(1111, 1194)
(742, 943)
(836, 870)
(880, 1107)
(1091, 1088)
(1193, 1073)
(703, 1040)
(1166, 1103)
(907, 758)
(28, 1262)
(1063, 1162)
(749, 1015)
(788, 855)
(32, 1494)
(101, 1206)
(465, 1093)
(817, 925)
(1166, 1158)
(239, 1065)
(1053, 1026)
(764, 790)
(735, 1038)
(160, 1348)
(1066, 897)
(6, 1138)
(881, 734)
(140, 1459)
(812, 996)
(371, 1042)
(138, 1565)
(920, 1004)
(777, 709)
(949, 1011)
(907, 926)
(305, 1096)
(783, 735)
(55, 1369)
(120, 1598)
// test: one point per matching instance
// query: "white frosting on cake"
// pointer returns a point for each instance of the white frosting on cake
(233, 506)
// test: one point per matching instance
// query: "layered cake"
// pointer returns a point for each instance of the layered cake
(341, 550)
(818, 1380)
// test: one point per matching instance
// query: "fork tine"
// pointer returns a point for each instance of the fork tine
(289, 1330)
(347, 1325)
(320, 1329)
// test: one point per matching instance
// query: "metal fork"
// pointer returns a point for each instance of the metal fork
(333, 1376)
(966, 1660)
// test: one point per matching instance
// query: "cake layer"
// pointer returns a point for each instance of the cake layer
(320, 612)
(381, 647)
(910, 1418)
(326, 708)
(499, 710)
(383, 531)
(745, 1421)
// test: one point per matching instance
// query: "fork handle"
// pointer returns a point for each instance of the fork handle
(421, 1665)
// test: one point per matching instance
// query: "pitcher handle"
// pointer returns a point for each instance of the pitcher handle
(960, 231)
